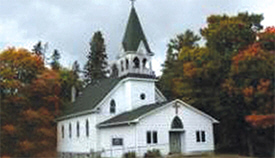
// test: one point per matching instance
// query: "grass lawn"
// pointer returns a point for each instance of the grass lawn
(211, 156)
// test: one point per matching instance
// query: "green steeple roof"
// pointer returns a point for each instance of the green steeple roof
(134, 34)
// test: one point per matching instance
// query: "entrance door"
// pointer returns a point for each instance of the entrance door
(175, 142)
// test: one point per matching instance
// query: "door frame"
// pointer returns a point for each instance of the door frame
(182, 136)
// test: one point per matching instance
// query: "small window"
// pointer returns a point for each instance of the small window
(87, 128)
(144, 62)
(155, 137)
(122, 68)
(136, 62)
(198, 136)
(70, 130)
(148, 135)
(62, 131)
(117, 141)
(142, 96)
(77, 129)
(202, 136)
(127, 64)
(112, 106)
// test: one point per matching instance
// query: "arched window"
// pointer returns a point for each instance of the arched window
(127, 64)
(144, 62)
(77, 129)
(177, 123)
(62, 131)
(136, 62)
(87, 128)
(112, 106)
(70, 130)
(121, 64)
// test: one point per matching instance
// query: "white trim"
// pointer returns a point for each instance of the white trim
(183, 103)
(117, 123)
(161, 95)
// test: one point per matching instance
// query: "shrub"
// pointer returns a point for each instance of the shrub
(129, 155)
(152, 153)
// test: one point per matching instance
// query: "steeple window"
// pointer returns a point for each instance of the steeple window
(144, 62)
(127, 64)
(122, 67)
(136, 62)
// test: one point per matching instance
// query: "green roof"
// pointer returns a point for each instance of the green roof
(91, 96)
(134, 34)
(131, 115)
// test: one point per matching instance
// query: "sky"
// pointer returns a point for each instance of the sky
(68, 25)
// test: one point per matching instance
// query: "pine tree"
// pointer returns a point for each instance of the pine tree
(95, 68)
(55, 60)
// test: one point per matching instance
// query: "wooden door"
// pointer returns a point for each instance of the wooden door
(175, 142)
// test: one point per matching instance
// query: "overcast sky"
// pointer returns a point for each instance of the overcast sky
(68, 25)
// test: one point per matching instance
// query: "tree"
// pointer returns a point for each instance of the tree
(231, 78)
(172, 67)
(31, 97)
(55, 60)
(18, 68)
(226, 34)
(95, 68)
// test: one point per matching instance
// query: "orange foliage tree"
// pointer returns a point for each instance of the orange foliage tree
(30, 100)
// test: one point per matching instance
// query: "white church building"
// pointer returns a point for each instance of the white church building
(128, 113)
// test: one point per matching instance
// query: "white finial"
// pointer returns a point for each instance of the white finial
(133, 2)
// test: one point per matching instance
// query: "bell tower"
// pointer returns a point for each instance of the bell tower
(135, 56)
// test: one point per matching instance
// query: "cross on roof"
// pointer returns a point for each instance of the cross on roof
(176, 106)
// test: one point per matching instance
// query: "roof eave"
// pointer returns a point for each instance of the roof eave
(117, 123)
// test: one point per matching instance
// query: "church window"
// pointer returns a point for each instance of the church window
(70, 130)
(112, 106)
(144, 62)
(62, 131)
(200, 135)
(148, 135)
(142, 96)
(177, 123)
(87, 128)
(77, 129)
(155, 137)
(127, 64)
(136, 62)
(152, 137)
(117, 141)
(122, 68)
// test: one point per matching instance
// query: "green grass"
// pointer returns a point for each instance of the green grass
(210, 156)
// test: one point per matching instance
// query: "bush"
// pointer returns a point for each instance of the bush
(152, 153)
(129, 155)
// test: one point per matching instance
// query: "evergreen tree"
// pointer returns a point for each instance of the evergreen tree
(95, 68)
(55, 60)
(172, 67)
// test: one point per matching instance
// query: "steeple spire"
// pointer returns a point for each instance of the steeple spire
(134, 34)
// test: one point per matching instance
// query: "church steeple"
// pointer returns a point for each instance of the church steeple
(134, 34)
(135, 57)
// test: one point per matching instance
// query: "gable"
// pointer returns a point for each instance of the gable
(194, 112)
(91, 96)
